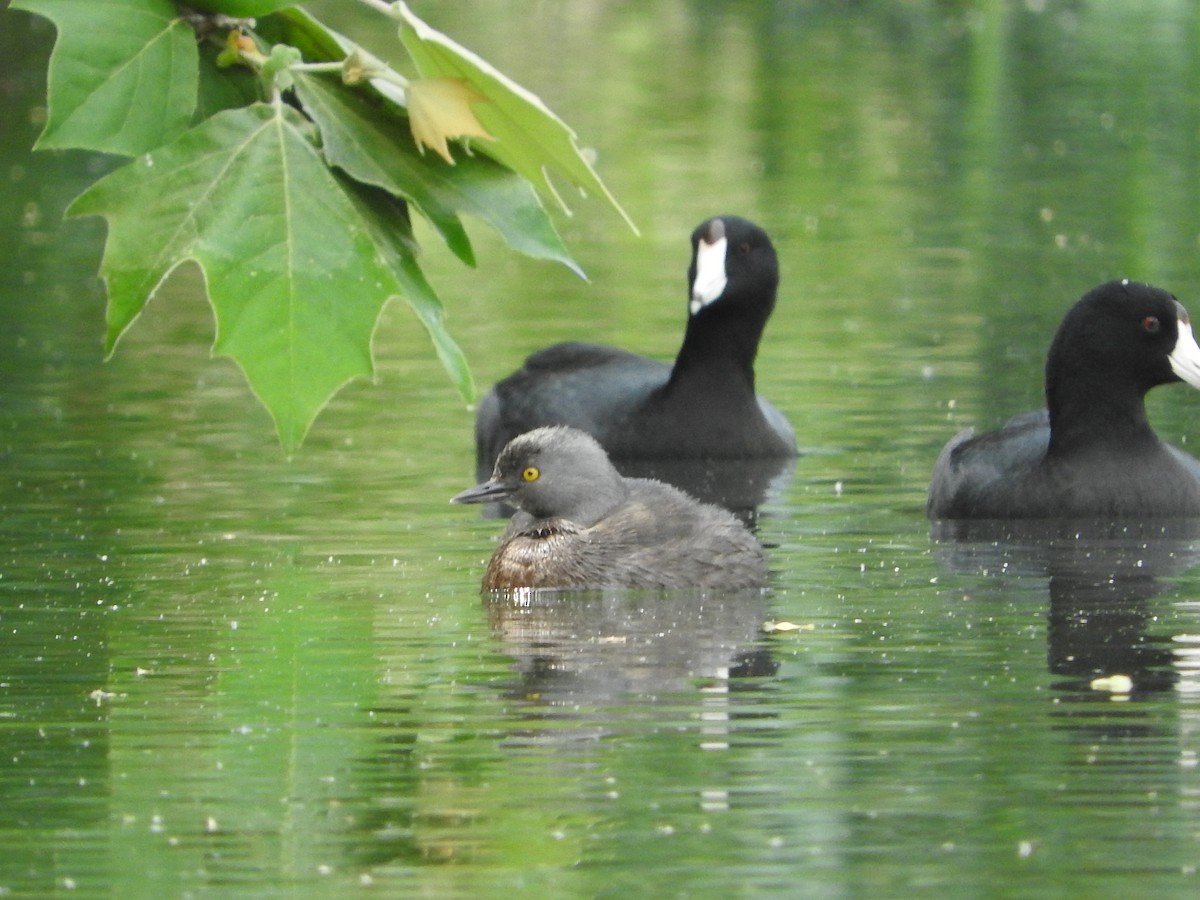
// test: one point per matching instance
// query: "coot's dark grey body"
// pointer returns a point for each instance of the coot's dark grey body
(705, 406)
(1092, 452)
(580, 523)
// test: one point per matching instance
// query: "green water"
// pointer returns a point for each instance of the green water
(224, 673)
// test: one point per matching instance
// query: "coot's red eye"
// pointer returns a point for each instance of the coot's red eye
(1151, 324)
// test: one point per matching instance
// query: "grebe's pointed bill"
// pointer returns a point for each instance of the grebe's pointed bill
(483, 493)
(1185, 357)
(711, 279)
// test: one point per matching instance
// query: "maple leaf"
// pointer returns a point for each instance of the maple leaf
(440, 108)
(297, 269)
(122, 77)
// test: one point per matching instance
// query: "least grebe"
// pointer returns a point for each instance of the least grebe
(580, 523)
(705, 406)
(1091, 452)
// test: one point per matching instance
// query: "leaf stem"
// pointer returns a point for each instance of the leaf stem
(317, 67)
(383, 6)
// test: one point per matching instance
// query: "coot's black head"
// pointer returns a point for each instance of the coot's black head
(553, 472)
(1126, 332)
(734, 268)
(1118, 341)
(731, 292)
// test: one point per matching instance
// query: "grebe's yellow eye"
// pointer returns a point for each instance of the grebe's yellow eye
(531, 473)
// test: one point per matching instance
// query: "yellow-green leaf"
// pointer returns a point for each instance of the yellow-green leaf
(529, 138)
(440, 109)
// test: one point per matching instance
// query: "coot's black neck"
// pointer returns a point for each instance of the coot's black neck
(1090, 414)
(718, 353)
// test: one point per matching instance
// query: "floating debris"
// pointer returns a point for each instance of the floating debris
(1114, 684)
(771, 627)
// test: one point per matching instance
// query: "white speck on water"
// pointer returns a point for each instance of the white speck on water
(1114, 684)
(714, 799)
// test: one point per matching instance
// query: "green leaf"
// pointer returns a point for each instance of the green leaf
(298, 29)
(372, 143)
(122, 76)
(294, 275)
(530, 139)
(387, 221)
(223, 88)
(375, 147)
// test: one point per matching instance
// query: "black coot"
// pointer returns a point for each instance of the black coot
(704, 406)
(1092, 452)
